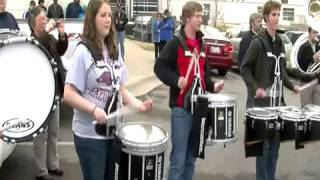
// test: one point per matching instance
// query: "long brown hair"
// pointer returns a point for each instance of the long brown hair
(90, 31)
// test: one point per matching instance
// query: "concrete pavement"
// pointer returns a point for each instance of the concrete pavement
(140, 62)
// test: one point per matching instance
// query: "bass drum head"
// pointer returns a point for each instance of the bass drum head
(142, 136)
(27, 90)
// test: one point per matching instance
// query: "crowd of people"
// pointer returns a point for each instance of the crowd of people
(96, 79)
(55, 10)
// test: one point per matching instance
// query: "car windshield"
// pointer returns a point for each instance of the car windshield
(212, 32)
(285, 39)
(293, 36)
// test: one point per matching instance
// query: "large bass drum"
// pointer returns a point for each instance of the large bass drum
(28, 87)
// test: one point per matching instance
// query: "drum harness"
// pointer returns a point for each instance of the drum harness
(196, 88)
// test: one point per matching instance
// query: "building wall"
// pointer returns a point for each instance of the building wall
(238, 11)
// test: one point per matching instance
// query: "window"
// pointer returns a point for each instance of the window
(259, 9)
(288, 14)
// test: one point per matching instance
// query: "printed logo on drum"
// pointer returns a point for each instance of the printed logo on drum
(24, 126)
(105, 78)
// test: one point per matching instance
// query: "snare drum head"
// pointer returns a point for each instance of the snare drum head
(27, 90)
(261, 112)
(141, 133)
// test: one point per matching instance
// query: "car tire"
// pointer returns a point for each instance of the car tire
(222, 72)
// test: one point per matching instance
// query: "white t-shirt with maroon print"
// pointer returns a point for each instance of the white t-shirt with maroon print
(94, 81)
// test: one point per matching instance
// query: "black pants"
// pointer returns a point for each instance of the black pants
(161, 45)
(156, 49)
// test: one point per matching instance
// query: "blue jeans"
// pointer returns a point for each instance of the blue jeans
(94, 157)
(266, 165)
(182, 162)
(120, 40)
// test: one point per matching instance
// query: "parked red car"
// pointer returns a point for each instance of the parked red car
(219, 50)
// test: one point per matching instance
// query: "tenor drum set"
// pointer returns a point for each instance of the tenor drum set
(283, 123)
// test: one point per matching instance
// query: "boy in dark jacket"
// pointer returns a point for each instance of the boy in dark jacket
(172, 68)
(258, 70)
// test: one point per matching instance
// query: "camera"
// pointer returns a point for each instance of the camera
(58, 22)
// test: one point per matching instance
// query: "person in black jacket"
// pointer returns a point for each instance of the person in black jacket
(55, 10)
(172, 68)
(309, 53)
(7, 20)
(255, 27)
(257, 70)
(48, 163)
(120, 21)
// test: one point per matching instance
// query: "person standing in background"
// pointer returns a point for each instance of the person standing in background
(309, 53)
(74, 9)
(255, 22)
(46, 154)
(120, 21)
(32, 5)
(156, 33)
(166, 29)
(55, 10)
(7, 20)
(41, 4)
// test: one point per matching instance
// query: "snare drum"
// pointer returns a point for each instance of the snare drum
(261, 124)
(222, 118)
(293, 124)
(143, 151)
(28, 92)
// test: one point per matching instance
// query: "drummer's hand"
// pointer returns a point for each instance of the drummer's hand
(50, 25)
(260, 93)
(296, 89)
(99, 115)
(182, 82)
(218, 86)
(146, 106)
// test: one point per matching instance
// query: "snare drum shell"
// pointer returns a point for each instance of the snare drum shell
(134, 167)
(314, 129)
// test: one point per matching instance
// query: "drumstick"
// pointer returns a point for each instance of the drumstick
(311, 83)
(123, 111)
(2, 129)
(188, 71)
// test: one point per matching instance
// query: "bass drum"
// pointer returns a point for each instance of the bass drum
(28, 87)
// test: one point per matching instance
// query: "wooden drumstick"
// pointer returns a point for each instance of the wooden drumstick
(311, 83)
(124, 111)
(188, 71)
